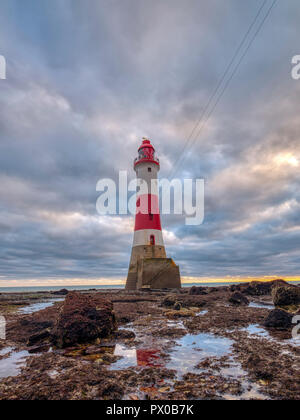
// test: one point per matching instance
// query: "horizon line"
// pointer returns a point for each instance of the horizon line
(117, 282)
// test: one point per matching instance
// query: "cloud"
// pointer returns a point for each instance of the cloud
(84, 84)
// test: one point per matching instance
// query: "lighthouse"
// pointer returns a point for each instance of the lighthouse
(149, 266)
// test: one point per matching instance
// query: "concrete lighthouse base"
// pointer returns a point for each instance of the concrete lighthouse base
(154, 273)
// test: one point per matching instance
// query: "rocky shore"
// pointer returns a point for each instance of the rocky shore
(230, 342)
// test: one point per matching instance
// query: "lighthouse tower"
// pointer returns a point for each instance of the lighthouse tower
(149, 266)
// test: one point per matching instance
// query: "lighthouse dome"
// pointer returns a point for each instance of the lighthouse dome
(146, 153)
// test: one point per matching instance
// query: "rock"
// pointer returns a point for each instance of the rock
(36, 325)
(234, 288)
(101, 349)
(43, 348)
(278, 319)
(260, 288)
(176, 291)
(110, 358)
(177, 306)
(258, 368)
(169, 301)
(125, 334)
(124, 319)
(38, 338)
(169, 332)
(238, 298)
(253, 361)
(62, 292)
(285, 296)
(183, 313)
(196, 291)
(83, 319)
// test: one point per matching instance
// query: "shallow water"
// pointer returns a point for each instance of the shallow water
(5, 351)
(294, 341)
(36, 307)
(11, 365)
(183, 357)
(191, 349)
(202, 313)
(53, 373)
(234, 370)
(261, 305)
(176, 324)
(255, 329)
(252, 391)
(129, 358)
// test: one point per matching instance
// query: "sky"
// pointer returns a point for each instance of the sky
(86, 81)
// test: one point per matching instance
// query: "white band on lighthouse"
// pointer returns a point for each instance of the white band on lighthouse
(147, 236)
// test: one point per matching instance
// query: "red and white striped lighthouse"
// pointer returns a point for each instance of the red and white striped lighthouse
(148, 251)
(147, 231)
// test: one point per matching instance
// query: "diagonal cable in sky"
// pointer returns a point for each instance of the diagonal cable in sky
(189, 143)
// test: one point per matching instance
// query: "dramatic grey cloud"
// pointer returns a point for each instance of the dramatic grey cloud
(86, 81)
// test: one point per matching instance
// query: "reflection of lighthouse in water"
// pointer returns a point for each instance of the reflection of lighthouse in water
(149, 266)
(138, 357)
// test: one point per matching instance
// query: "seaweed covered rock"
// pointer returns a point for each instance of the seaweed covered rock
(38, 338)
(234, 288)
(258, 368)
(177, 306)
(278, 319)
(285, 296)
(125, 334)
(169, 301)
(238, 298)
(197, 291)
(62, 292)
(260, 288)
(83, 319)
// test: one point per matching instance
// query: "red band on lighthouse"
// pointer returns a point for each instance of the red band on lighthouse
(147, 213)
(147, 221)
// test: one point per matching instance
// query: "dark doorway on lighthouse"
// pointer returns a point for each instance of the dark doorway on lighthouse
(152, 240)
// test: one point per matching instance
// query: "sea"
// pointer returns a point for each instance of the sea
(33, 289)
